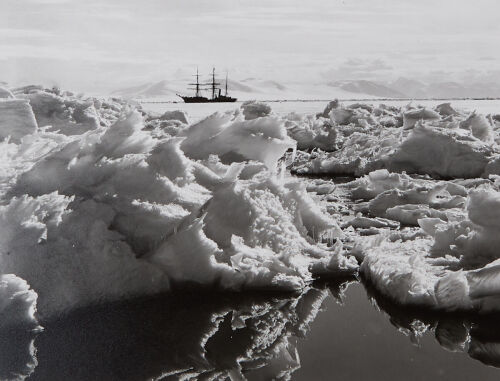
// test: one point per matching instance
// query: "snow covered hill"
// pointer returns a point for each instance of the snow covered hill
(246, 89)
(368, 87)
(264, 89)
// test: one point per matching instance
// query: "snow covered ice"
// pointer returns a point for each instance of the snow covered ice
(440, 251)
(97, 206)
(104, 201)
(454, 146)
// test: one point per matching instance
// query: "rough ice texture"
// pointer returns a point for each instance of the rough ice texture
(441, 152)
(406, 200)
(17, 303)
(410, 118)
(252, 110)
(175, 115)
(310, 132)
(100, 202)
(428, 150)
(456, 266)
(448, 260)
(235, 139)
(98, 208)
(68, 117)
(5, 93)
(379, 181)
(480, 127)
(407, 274)
(444, 143)
(16, 119)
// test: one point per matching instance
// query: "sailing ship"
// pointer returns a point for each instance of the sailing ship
(216, 91)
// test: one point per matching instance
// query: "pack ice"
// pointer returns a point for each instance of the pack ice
(426, 239)
(100, 201)
(442, 143)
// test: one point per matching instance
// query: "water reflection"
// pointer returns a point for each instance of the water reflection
(188, 335)
(17, 354)
(207, 336)
(478, 336)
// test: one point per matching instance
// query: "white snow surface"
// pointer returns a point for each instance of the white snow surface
(16, 119)
(411, 138)
(101, 200)
(451, 261)
(99, 205)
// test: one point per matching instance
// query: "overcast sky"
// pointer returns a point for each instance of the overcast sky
(95, 45)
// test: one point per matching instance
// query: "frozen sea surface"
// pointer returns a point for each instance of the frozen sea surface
(288, 327)
(197, 111)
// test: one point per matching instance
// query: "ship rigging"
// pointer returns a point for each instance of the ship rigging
(216, 91)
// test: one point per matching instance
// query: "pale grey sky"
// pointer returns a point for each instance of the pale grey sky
(96, 45)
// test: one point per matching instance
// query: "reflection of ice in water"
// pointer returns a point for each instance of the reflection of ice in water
(17, 355)
(192, 335)
(181, 336)
(204, 336)
(478, 336)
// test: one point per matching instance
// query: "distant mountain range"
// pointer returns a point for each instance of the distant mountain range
(147, 90)
(261, 89)
(417, 89)
(368, 87)
(246, 89)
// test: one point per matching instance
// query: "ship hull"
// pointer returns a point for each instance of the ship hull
(206, 100)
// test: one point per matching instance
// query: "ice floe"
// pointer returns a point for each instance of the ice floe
(101, 201)
(98, 207)
(443, 143)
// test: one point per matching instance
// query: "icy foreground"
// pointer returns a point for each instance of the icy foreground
(451, 262)
(101, 202)
(420, 241)
(444, 255)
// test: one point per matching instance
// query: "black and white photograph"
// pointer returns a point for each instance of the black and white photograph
(249, 190)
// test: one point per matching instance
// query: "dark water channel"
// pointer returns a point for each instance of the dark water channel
(333, 331)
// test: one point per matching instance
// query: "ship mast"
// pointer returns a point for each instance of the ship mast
(226, 85)
(214, 84)
(197, 84)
